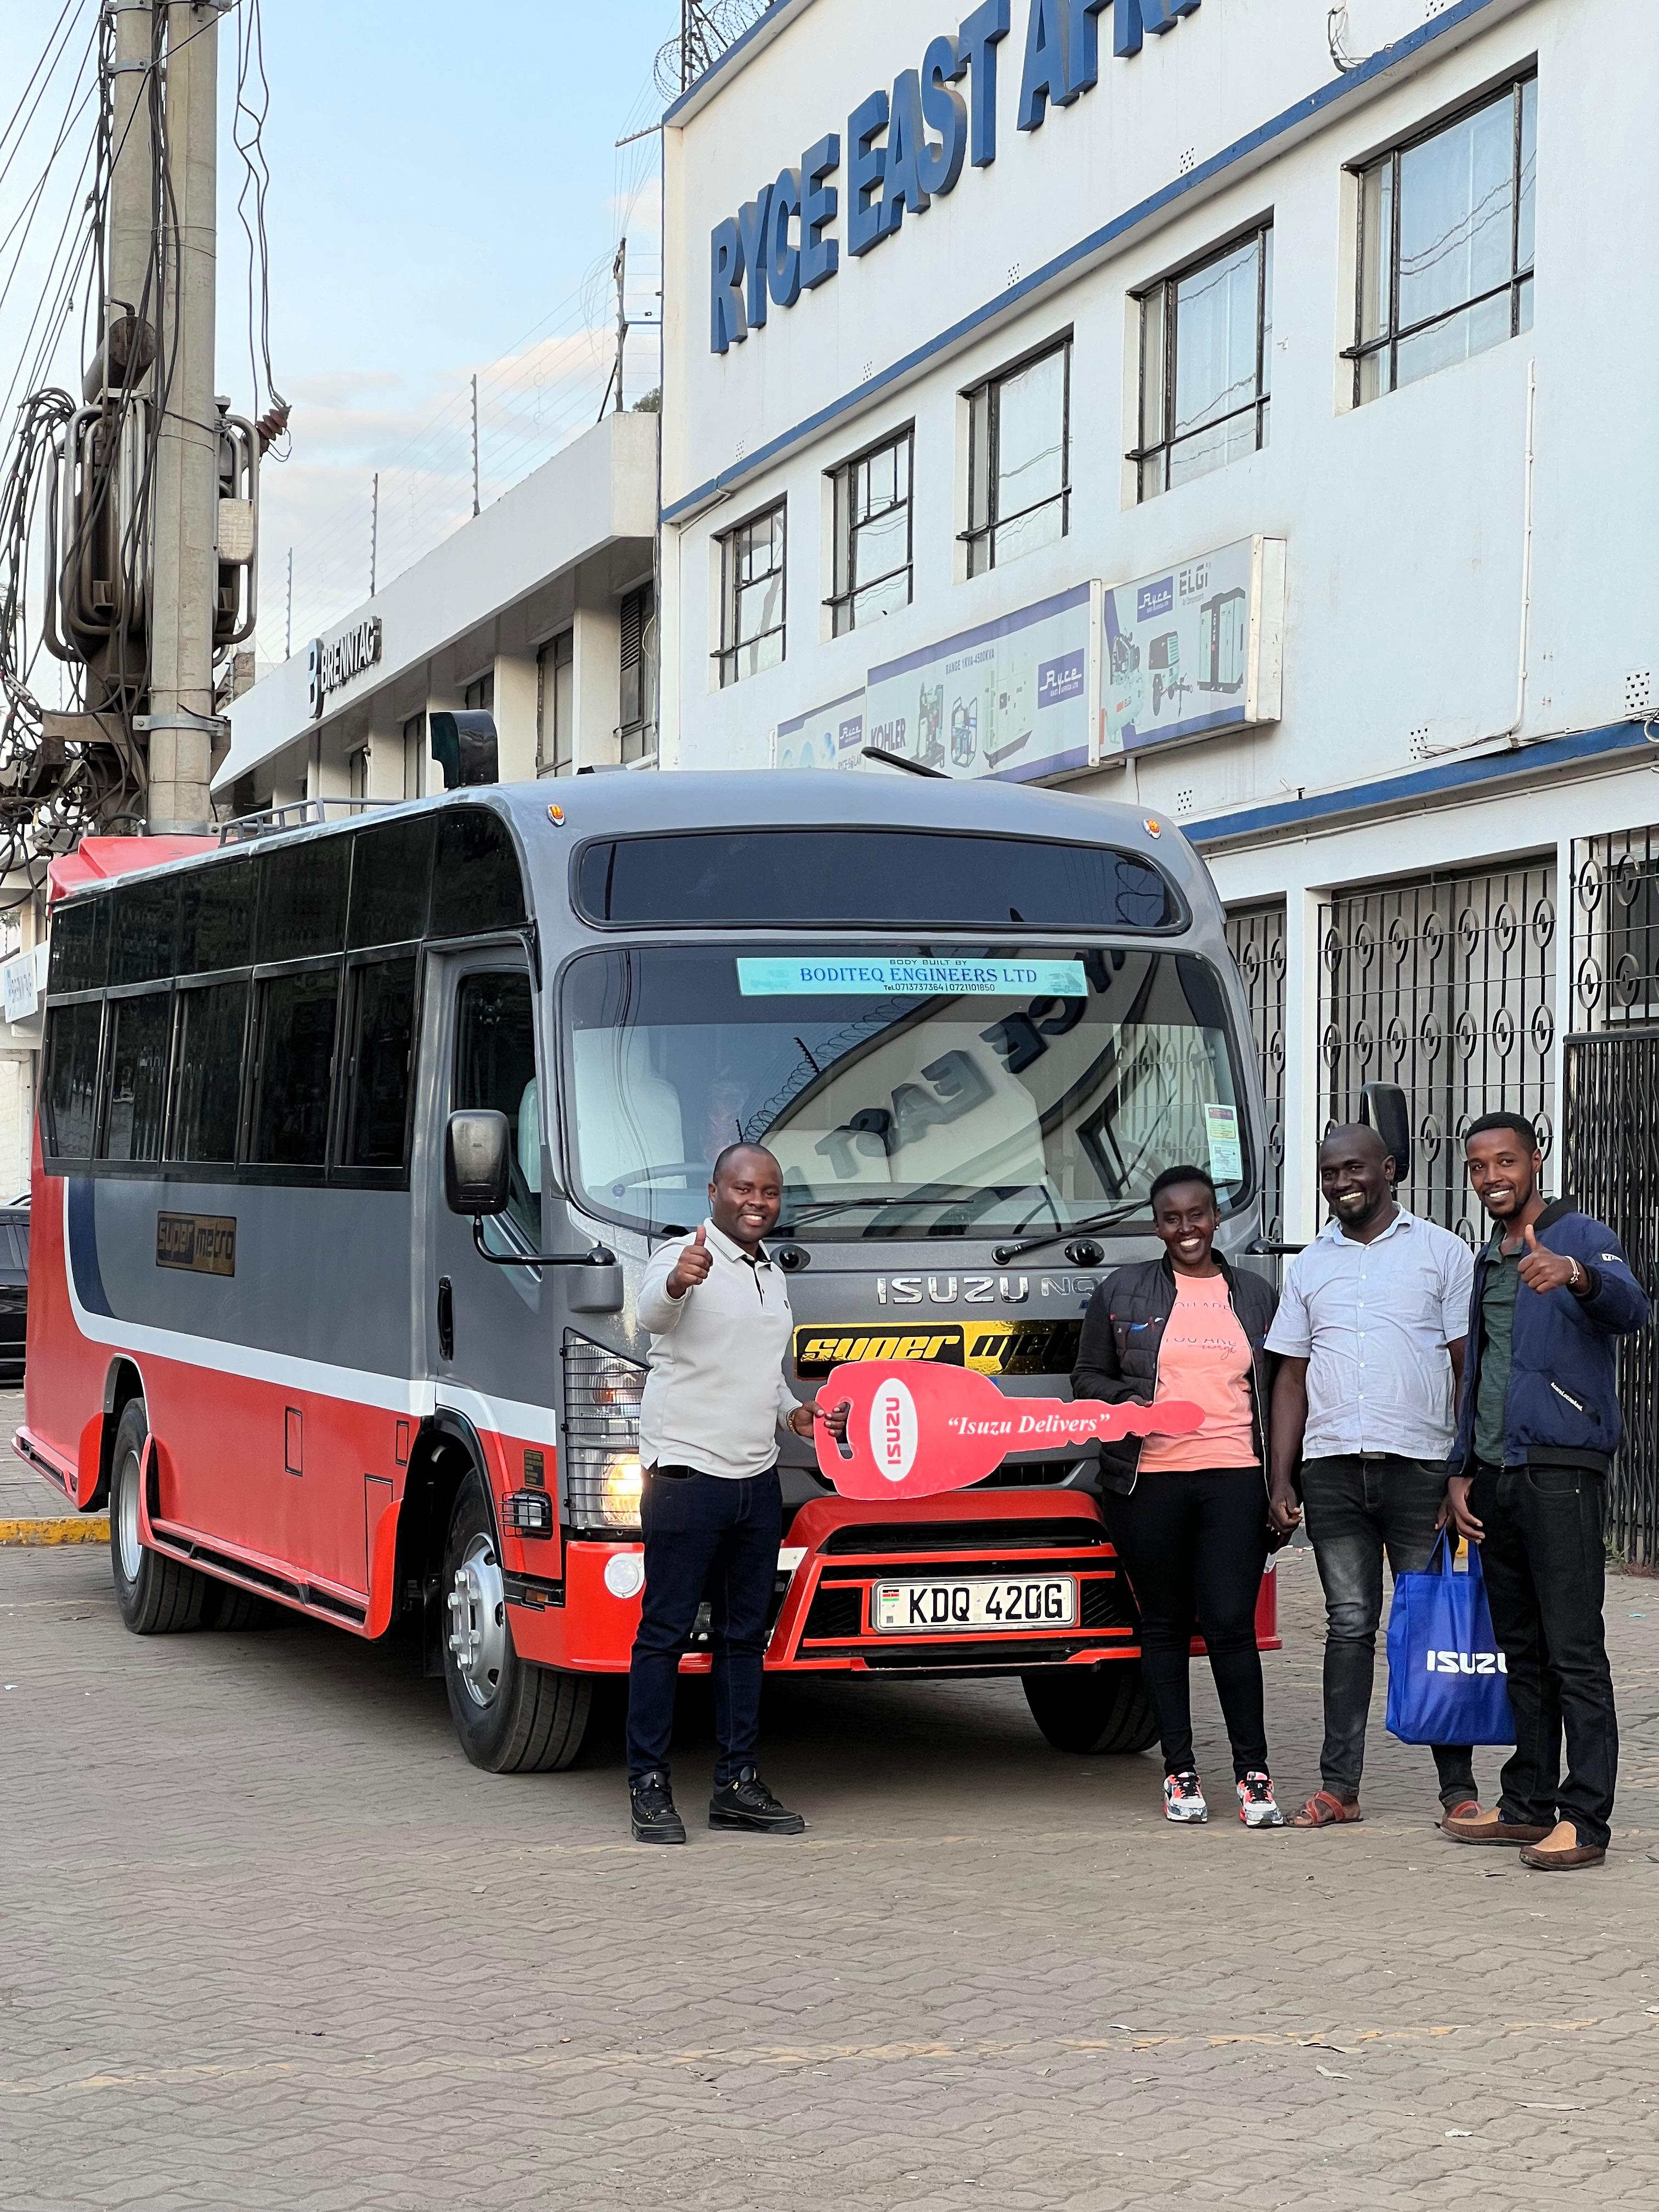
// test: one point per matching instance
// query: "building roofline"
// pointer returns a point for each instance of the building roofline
(738, 56)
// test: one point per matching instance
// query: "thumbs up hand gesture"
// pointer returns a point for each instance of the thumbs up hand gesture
(692, 1266)
(1543, 1270)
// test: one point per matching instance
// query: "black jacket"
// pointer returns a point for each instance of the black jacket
(1122, 1332)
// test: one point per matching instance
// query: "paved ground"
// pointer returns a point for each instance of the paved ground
(267, 1941)
(23, 1494)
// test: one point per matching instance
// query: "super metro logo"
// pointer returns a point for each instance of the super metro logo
(779, 244)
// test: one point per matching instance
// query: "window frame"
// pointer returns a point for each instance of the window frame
(847, 586)
(552, 654)
(979, 535)
(521, 1241)
(114, 997)
(1389, 343)
(1166, 292)
(726, 655)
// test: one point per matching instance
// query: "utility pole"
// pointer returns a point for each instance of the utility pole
(475, 509)
(181, 721)
(619, 271)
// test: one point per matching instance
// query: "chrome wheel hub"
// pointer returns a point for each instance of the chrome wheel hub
(477, 1622)
(126, 1520)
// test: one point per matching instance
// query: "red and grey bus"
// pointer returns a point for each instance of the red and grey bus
(308, 1348)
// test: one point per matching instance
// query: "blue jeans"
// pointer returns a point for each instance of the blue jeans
(717, 1533)
(1357, 1508)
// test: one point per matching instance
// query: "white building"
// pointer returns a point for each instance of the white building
(540, 610)
(1224, 354)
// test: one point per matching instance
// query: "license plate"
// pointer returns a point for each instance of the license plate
(976, 1602)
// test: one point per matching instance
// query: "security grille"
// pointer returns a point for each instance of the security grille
(600, 1466)
(1256, 937)
(1446, 987)
(1610, 1129)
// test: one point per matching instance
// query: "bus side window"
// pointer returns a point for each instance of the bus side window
(384, 994)
(71, 1085)
(495, 1065)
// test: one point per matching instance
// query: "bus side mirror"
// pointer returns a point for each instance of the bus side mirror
(476, 1154)
(1387, 1109)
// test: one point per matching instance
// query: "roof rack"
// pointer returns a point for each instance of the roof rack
(299, 814)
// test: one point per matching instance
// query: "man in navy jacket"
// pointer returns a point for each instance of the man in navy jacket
(1538, 1426)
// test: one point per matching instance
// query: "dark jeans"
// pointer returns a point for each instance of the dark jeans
(1545, 1572)
(1356, 1510)
(714, 1533)
(1194, 1543)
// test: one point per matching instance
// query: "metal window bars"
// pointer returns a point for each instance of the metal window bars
(1256, 937)
(1445, 986)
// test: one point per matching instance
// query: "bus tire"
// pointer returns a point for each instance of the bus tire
(512, 1717)
(1093, 1710)
(229, 1606)
(156, 1596)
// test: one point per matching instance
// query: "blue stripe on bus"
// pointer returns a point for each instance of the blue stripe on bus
(83, 1240)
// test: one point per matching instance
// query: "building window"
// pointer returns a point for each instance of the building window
(1446, 243)
(1207, 365)
(753, 596)
(479, 696)
(637, 721)
(872, 534)
(1019, 436)
(556, 706)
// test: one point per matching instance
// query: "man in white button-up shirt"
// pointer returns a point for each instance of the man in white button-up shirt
(712, 1510)
(1370, 1332)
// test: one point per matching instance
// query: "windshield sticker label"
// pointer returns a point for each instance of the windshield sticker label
(1226, 1153)
(912, 979)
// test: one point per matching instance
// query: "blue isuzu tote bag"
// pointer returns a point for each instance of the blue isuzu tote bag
(1446, 1674)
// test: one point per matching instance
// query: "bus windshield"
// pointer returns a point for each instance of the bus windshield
(907, 1092)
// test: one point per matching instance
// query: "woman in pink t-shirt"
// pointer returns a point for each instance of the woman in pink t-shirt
(1188, 1515)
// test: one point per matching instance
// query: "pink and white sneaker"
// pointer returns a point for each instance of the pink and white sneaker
(1257, 1808)
(1183, 1799)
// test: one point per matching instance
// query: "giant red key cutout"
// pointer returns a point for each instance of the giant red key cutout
(915, 1427)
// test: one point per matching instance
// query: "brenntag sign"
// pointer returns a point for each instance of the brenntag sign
(332, 663)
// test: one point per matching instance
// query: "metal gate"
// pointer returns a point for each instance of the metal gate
(1257, 935)
(1610, 1129)
(1445, 986)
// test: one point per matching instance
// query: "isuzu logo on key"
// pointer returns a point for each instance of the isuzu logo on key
(893, 1429)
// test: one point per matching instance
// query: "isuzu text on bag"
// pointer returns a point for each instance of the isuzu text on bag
(1445, 1671)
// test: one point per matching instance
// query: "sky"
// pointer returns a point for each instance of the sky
(446, 199)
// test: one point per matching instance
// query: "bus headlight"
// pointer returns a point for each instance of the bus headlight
(619, 1492)
(600, 1465)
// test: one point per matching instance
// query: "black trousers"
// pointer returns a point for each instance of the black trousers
(1546, 1569)
(1194, 1543)
(1357, 1509)
(718, 1534)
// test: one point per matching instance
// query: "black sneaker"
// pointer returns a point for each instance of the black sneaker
(748, 1803)
(655, 1821)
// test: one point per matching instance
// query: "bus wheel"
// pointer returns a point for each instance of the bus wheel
(512, 1717)
(156, 1595)
(1094, 1709)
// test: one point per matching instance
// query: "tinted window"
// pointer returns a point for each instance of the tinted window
(877, 876)
(475, 884)
(209, 1086)
(142, 929)
(80, 946)
(302, 896)
(391, 877)
(495, 1065)
(139, 1033)
(215, 918)
(71, 1087)
(382, 1060)
(296, 1056)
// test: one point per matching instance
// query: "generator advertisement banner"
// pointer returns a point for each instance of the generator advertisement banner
(1195, 649)
(827, 737)
(1017, 699)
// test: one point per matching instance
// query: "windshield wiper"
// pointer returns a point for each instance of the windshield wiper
(1005, 1253)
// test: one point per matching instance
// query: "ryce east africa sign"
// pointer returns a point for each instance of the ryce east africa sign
(916, 1428)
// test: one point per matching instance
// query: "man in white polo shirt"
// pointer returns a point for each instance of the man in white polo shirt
(712, 1509)
(1370, 1330)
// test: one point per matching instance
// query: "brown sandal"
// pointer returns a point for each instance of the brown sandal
(1324, 1811)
